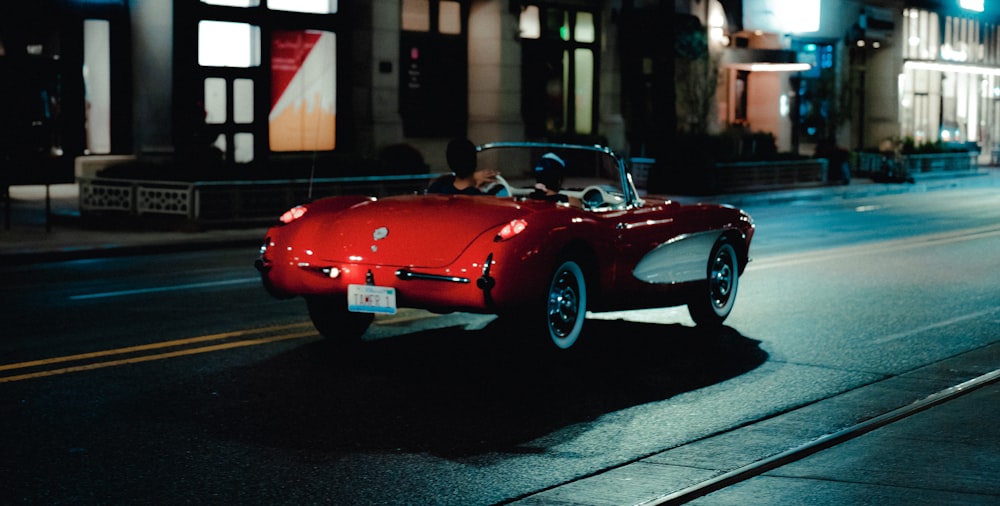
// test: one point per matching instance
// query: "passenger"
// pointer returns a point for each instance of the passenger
(461, 155)
(549, 173)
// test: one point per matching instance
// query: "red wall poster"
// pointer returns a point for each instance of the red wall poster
(303, 113)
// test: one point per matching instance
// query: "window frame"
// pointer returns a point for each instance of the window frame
(190, 132)
(548, 43)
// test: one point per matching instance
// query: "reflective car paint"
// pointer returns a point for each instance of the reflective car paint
(458, 253)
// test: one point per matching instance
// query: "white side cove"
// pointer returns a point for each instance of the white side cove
(681, 259)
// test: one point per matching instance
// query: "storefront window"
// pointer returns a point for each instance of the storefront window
(227, 44)
(559, 77)
(243, 101)
(948, 88)
(416, 15)
(584, 93)
(233, 3)
(97, 84)
(243, 147)
(311, 6)
(215, 101)
(583, 30)
(819, 104)
(253, 49)
(449, 17)
(529, 24)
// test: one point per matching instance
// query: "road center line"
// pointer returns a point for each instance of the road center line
(151, 346)
(171, 288)
(160, 356)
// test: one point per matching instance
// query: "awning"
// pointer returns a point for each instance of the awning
(761, 60)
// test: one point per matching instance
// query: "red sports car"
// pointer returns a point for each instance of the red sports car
(513, 252)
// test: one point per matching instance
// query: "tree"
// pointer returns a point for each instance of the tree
(696, 77)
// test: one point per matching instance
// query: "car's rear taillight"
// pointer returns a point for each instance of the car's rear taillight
(511, 229)
(292, 214)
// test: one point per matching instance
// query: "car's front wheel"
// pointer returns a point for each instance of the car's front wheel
(566, 304)
(332, 319)
(710, 306)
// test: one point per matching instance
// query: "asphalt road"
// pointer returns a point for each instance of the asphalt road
(175, 378)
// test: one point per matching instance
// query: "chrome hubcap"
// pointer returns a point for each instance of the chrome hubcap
(721, 279)
(563, 304)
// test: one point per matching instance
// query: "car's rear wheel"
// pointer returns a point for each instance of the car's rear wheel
(566, 304)
(332, 319)
(710, 306)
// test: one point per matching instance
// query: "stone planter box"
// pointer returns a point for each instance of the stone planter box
(229, 201)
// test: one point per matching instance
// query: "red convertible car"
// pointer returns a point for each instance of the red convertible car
(540, 261)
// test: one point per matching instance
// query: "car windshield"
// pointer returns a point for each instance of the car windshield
(589, 173)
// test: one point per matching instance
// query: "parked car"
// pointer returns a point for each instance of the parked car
(542, 262)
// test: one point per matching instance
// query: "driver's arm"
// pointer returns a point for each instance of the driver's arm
(485, 177)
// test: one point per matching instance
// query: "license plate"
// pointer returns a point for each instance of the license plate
(371, 299)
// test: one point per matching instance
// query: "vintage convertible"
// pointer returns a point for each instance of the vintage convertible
(544, 264)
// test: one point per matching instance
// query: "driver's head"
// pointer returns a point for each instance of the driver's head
(550, 171)
(461, 155)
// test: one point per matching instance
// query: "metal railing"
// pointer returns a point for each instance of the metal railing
(231, 201)
(771, 174)
(894, 166)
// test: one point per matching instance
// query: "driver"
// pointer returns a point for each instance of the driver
(461, 155)
(549, 173)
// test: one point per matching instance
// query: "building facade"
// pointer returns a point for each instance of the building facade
(248, 83)
(881, 73)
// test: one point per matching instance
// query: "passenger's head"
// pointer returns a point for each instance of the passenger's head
(550, 170)
(461, 155)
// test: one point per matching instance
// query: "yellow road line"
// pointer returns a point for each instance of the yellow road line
(397, 319)
(160, 356)
(145, 347)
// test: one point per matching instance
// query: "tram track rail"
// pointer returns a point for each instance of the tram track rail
(760, 448)
(823, 443)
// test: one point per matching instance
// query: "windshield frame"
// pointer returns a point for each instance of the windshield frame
(629, 193)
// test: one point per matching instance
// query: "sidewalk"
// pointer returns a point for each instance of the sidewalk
(65, 235)
(938, 456)
(908, 440)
